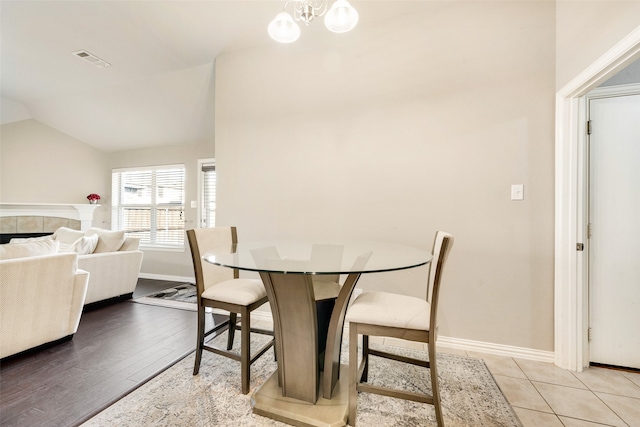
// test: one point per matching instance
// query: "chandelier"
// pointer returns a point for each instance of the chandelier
(339, 18)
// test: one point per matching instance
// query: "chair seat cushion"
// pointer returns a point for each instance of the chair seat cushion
(236, 291)
(385, 309)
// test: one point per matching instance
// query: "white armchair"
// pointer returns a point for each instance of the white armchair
(41, 299)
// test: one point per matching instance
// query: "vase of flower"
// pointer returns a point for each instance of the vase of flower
(93, 198)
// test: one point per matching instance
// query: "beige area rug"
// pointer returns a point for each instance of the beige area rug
(470, 395)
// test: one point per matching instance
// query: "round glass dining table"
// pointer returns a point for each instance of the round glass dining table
(319, 258)
(308, 305)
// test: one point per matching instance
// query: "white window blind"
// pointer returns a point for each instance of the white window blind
(208, 206)
(149, 203)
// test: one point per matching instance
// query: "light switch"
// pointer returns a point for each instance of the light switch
(517, 192)
(194, 204)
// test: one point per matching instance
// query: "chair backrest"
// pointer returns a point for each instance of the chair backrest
(321, 255)
(327, 256)
(441, 248)
(205, 241)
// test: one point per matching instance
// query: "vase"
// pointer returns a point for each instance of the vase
(93, 202)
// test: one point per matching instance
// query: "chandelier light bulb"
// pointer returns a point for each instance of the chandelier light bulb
(283, 29)
(342, 17)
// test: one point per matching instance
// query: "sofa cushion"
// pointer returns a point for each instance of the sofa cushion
(29, 249)
(108, 241)
(83, 246)
(66, 235)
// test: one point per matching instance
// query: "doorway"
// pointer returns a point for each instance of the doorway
(571, 268)
(614, 226)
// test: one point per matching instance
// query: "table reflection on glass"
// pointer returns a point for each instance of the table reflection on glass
(308, 306)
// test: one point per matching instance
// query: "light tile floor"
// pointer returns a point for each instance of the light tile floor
(544, 395)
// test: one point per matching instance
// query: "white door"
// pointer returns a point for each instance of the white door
(614, 215)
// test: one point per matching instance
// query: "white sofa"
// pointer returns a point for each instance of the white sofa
(113, 274)
(112, 259)
(41, 300)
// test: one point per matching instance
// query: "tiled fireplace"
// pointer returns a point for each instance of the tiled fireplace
(23, 219)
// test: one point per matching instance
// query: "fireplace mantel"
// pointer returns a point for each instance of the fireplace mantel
(82, 212)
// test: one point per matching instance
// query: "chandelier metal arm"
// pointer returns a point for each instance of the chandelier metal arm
(306, 10)
(340, 18)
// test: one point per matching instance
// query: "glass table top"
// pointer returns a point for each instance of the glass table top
(318, 258)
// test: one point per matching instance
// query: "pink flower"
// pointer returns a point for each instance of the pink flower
(93, 197)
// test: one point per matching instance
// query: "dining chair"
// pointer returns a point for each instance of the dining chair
(220, 287)
(410, 318)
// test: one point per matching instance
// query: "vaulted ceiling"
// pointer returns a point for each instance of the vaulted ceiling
(159, 87)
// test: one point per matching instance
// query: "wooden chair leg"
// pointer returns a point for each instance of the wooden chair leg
(245, 350)
(353, 373)
(232, 330)
(200, 343)
(435, 388)
(365, 357)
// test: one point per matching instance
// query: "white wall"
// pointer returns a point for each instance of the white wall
(12, 111)
(39, 164)
(391, 132)
(588, 29)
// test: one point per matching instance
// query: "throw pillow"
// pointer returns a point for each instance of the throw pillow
(130, 244)
(83, 246)
(108, 241)
(67, 235)
(29, 239)
(87, 244)
(24, 250)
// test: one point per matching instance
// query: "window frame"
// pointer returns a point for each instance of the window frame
(201, 191)
(117, 206)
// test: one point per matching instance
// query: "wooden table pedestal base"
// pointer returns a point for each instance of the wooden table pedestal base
(269, 402)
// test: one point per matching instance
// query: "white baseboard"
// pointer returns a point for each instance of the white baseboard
(497, 349)
(448, 342)
(476, 346)
(181, 279)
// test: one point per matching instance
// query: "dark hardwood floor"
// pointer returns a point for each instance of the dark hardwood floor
(117, 348)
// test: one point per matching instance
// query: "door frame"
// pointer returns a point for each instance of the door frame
(571, 198)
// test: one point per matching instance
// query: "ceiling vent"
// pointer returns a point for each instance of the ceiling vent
(91, 58)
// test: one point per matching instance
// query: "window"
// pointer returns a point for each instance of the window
(207, 193)
(149, 203)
